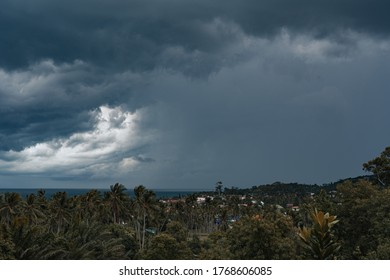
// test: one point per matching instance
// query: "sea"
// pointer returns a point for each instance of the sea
(160, 194)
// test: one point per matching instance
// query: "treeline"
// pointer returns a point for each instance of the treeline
(350, 222)
(113, 225)
(278, 189)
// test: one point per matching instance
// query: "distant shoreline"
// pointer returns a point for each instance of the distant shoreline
(74, 192)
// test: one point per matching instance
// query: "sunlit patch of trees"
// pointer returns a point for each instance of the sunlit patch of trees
(349, 221)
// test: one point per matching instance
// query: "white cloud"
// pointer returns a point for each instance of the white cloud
(102, 150)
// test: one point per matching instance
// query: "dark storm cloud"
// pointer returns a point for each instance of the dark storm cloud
(49, 100)
(180, 92)
(135, 34)
(292, 109)
(25, 128)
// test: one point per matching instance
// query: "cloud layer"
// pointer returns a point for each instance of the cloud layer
(136, 34)
(178, 94)
(109, 148)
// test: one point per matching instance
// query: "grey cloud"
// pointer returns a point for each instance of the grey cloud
(143, 159)
(260, 121)
(240, 91)
(27, 127)
(136, 34)
(49, 100)
(106, 149)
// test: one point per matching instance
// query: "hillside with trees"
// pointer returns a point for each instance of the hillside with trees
(349, 219)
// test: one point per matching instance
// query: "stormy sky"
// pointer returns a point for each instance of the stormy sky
(180, 94)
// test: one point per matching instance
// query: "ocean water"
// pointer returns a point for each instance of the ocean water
(72, 192)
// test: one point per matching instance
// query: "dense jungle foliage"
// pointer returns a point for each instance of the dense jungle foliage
(348, 220)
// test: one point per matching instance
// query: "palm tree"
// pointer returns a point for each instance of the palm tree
(84, 242)
(7, 246)
(91, 203)
(10, 205)
(59, 211)
(41, 196)
(28, 239)
(116, 199)
(144, 205)
(32, 209)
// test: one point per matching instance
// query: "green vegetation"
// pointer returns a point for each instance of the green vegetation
(319, 239)
(278, 221)
(380, 167)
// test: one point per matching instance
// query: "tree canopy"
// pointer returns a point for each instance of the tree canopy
(380, 167)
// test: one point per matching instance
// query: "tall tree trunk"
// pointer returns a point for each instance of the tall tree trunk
(144, 231)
